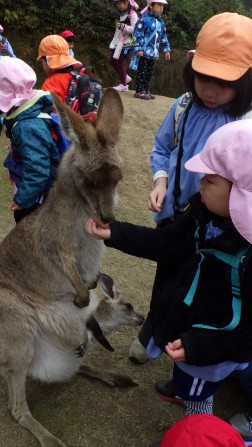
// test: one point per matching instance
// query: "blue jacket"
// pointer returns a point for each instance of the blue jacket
(34, 155)
(143, 30)
(200, 124)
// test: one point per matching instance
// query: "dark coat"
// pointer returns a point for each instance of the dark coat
(173, 247)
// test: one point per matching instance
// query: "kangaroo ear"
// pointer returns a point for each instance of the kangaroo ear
(110, 114)
(106, 285)
(71, 123)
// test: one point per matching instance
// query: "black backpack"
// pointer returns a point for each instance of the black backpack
(84, 94)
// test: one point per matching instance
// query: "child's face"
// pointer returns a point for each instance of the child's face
(46, 67)
(215, 193)
(122, 5)
(212, 94)
(71, 45)
(156, 8)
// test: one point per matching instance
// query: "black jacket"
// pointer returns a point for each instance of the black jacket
(173, 247)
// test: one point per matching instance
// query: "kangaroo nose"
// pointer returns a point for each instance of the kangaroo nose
(107, 219)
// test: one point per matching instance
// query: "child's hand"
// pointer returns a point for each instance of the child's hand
(157, 195)
(118, 25)
(14, 207)
(139, 53)
(168, 56)
(176, 351)
(98, 230)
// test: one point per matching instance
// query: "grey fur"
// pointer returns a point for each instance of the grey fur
(48, 262)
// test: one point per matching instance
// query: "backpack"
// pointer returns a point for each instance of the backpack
(84, 94)
(237, 263)
(3, 50)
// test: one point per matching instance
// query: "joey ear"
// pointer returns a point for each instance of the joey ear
(110, 114)
(106, 285)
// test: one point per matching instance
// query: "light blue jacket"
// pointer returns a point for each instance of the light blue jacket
(143, 30)
(200, 124)
(7, 45)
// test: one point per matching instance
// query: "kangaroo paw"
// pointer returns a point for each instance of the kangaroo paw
(80, 351)
(82, 299)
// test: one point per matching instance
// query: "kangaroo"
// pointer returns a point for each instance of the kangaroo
(113, 311)
(48, 262)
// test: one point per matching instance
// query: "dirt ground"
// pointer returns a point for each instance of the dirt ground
(84, 412)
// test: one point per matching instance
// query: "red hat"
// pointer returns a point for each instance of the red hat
(202, 430)
(67, 33)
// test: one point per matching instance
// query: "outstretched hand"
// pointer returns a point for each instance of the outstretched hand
(97, 229)
(176, 351)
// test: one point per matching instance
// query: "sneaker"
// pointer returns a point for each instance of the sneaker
(121, 88)
(137, 353)
(150, 95)
(164, 389)
(141, 95)
(128, 79)
(242, 422)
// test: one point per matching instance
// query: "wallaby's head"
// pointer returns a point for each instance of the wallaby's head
(115, 309)
(92, 165)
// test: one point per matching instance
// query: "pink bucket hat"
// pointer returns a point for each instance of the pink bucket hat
(17, 80)
(132, 3)
(228, 153)
(202, 430)
(164, 2)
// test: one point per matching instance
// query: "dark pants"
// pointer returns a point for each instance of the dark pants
(119, 67)
(144, 72)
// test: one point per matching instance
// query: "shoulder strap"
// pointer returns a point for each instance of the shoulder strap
(177, 190)
(152, 35)
(234, 261)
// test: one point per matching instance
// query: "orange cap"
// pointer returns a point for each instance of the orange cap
(224, 47)
(56, 50)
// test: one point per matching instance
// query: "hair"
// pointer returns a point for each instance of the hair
(242, 102)
(70, 39)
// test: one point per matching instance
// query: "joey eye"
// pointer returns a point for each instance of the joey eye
(90, 183)
(129, 306)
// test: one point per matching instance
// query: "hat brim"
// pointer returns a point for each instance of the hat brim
(240, 208)
(217, 69)
(195, 164)
(62, 61)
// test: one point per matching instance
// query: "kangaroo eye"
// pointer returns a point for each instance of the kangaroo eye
(90, 183)
(129, 306)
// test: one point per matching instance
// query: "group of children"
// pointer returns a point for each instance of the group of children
(201, 310)
(145, 37)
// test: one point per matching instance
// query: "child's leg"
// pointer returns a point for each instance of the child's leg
(119, 66)
(196, 393)
(148, 74)
(141, 73)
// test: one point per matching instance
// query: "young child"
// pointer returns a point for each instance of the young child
(218, 79)
(6, 43)
(121, 42)
(57, 64)
(34, 155)
(149, 36)
(200, 316)
(69, 36)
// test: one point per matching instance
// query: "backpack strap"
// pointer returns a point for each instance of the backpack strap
(234, 261)
(152, 35)
(177, 190)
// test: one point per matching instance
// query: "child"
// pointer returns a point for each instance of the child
(34, 154)
(218, 78)
(197, 316)
(57, 64)
(121, 42)
(149, 35)
(69, 36)
(201, 430)
(6, 43)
